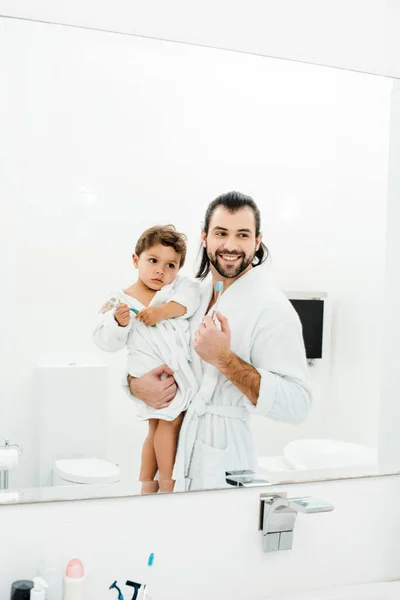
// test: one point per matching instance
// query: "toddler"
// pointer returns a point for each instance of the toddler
(150, 319)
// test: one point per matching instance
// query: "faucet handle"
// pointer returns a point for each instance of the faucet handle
(244, 478)
(308, 504)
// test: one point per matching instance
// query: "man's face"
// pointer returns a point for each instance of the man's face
(231, 242)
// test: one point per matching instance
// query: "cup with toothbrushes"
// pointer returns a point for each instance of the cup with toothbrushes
(140, 590)
(150, 562)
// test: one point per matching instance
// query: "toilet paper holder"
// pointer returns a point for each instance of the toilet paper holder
(4, 476)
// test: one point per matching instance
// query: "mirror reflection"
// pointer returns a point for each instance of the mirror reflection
(195, 245)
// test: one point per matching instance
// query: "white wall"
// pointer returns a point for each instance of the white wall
(360, 35)
(207, 545)
(106, 134)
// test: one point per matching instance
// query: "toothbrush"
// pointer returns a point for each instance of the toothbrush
(136, 312)
(150, 562)
(218, 288)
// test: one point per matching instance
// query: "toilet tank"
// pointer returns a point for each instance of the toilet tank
(70, 414)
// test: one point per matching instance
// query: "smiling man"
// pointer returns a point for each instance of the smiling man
(248, 358)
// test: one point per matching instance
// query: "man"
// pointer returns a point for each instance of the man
(247, 358)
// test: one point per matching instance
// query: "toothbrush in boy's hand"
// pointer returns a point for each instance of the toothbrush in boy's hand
(136, 312)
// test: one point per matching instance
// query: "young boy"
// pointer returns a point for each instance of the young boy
(155, 332)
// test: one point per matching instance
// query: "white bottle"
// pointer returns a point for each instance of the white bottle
(73, 584)
(50, 570)
(38, 592)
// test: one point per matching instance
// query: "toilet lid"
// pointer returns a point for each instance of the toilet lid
(87, 470)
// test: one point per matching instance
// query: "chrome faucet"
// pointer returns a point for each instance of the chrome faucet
(245, 478)
(278, 516)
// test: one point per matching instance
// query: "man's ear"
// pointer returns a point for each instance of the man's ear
(203, 238)
(258, 241)
(135, 260)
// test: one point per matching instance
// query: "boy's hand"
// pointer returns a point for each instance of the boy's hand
(122, 315)
(151, 315)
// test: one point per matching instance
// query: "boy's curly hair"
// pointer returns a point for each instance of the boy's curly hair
(165, 235)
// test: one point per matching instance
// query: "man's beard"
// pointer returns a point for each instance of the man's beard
(235, 270)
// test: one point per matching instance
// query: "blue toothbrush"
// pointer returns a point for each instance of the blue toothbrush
(218, 288)
(150, 561)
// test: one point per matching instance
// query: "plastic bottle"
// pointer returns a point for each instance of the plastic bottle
(38, 592)
(50, 570)
(73, 584)
(21, 589)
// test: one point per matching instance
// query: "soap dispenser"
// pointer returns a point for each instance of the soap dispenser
(38, 592)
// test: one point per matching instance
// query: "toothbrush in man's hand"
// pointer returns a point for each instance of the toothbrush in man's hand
(218, 288)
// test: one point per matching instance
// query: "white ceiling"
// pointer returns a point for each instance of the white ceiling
(353, 34)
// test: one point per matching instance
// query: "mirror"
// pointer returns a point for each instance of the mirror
(107, 135)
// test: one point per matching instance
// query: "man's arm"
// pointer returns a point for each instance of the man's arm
(245, 377)
(213, 346)
(275, 396)
(279, 356)
(276, 383)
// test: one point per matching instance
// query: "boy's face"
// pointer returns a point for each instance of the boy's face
(158, 266)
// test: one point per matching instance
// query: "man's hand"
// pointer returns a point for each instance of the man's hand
(151, 315)
(157, 388)
(211, 344)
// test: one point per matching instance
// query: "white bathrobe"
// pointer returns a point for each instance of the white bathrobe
(149, 347)
(266, 333)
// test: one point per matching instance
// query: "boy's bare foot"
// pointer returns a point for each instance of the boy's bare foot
(150, 487)
(166, 485)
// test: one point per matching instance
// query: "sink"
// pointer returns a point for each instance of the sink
(366, 591)
(327, 454)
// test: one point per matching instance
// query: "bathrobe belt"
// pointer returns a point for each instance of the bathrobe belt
(220, 410)
(197, 409)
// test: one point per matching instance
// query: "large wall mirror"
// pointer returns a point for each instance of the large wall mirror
(104, 136)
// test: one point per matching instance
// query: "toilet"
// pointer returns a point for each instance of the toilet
(71, 401)
(70, 471)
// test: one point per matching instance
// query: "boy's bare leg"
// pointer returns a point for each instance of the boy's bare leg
(149, 467)
(165, 444)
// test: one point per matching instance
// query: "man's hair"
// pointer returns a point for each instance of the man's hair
(166, 235)
(233, 202)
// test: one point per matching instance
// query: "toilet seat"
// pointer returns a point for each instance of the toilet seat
(87, 470)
